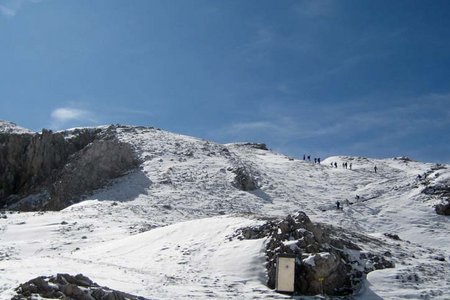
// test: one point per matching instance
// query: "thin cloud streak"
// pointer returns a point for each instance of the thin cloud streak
(367, 127)
(65, 115)
(12, 7)
(7, 11)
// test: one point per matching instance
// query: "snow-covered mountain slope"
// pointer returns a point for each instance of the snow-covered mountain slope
(117, 238)
(9, 127)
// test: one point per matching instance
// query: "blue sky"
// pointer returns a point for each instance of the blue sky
(321, 77)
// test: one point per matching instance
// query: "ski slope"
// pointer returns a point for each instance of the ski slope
(162, 230)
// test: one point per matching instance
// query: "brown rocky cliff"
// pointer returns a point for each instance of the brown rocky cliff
(50, 170)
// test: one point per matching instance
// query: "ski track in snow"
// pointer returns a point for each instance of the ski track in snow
(161, 231)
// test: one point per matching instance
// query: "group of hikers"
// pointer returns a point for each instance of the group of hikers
(316, 160)
(357, 198)
(339, 204)
(334, 164)
(344, 165)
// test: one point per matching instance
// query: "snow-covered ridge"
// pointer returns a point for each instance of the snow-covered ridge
(182, 178)
(9, 127)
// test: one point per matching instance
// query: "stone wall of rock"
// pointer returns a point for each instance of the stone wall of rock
(50, 170)
(91, 168)
(443, 208)
(440, 191)
(327, 261)
(244, 179)
(65, 286)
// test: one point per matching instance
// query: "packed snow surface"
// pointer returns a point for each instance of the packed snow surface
(9, 127)
(163, 231)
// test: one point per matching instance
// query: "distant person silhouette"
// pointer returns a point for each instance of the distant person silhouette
(375, 169)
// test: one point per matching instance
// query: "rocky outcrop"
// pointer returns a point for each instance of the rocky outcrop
(327, 261)
(260, 146)
(90, 169)
(440, 191)
(65, 286)
(244, 180)
(10, 127)
(50, 170)
(443, 208)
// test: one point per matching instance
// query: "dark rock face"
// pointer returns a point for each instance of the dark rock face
(326, 260)
(443, 209)
(65, 286)
(392, 236)
(244, 180)
(50, 170)
(259, 146)
(441, 191)
(90, 169)
(438, 190)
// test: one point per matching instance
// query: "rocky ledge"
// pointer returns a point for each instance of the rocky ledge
(326, 259)
(65, 286)
(52, 170)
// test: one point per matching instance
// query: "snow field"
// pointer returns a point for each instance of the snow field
(118, 238)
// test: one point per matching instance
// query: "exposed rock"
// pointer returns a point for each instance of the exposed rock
(244, 180)
(259, 146)
(10, 127)
(90, 169)
(442, 192)
(65, 286)
(327, 261)
(443, 208)
(403, 158)
(50, 170)
(392, 236)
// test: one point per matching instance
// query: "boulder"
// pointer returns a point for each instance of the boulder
(322, 272)
(65, 286)
(443, 208)
(327, 261)
(244, 180)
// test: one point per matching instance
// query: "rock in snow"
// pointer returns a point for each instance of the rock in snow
(323, 261)
(65, 286)
(51, 170)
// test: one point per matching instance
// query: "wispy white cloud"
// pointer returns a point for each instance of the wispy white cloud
(67, 114)
(354, 127)
(10, 8)
(7, 11)
(63, 116)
